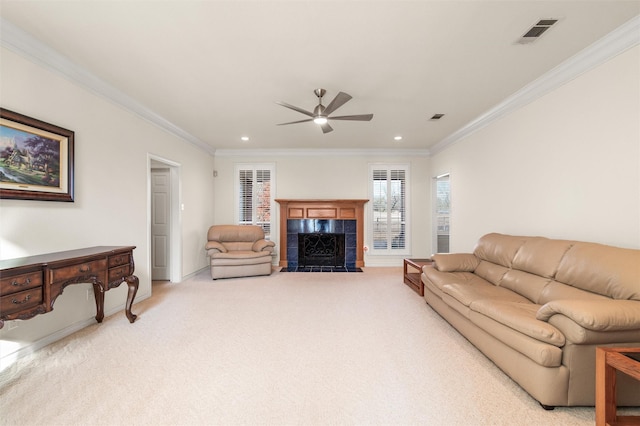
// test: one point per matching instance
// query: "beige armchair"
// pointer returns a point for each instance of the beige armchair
(238, 251)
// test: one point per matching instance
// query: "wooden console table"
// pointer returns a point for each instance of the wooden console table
(30, 285)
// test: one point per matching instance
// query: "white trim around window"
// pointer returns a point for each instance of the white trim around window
(388, 210)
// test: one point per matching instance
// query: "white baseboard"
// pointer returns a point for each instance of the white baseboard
(193, 274)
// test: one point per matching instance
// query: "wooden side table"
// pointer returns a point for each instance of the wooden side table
(608, 360)
(411, 277)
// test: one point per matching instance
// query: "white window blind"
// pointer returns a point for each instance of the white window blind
(255, 196)
(388, 209)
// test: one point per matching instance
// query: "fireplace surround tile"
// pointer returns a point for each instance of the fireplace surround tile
(309, 226)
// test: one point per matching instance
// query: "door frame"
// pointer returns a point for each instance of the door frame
(175, 223)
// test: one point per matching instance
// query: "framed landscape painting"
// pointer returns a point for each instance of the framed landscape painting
(36, 159)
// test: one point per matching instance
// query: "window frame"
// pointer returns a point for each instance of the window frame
(389, 250)
(254, 167)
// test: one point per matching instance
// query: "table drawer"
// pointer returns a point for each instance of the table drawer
(119, 273)
(17, 283)
(20, 301)
(80, 270)
(119, 259)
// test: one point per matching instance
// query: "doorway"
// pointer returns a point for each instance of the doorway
(163, 219)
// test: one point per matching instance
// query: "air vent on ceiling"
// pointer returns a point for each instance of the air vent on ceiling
(437, 116)
(537, 30)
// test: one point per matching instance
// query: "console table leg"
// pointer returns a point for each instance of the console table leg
(132, 282)
(98, 293)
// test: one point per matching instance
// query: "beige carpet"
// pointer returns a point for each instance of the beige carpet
(289, 349)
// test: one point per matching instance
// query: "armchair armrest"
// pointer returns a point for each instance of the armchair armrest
(596, 315)
(263, 245)
(215, 247)
(455, 262)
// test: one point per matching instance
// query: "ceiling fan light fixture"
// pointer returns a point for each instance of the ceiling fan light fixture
(320, 120)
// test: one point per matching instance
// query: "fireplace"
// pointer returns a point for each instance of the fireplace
(320, 249)
(322, 217)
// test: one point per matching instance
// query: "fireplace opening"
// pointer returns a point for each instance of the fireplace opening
(321, 249)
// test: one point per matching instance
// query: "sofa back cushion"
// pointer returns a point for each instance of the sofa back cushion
(557, 291)
(525, 284)
(236, 237)
(498, 248)
(490, 271)
(541, 256)
(610, 271)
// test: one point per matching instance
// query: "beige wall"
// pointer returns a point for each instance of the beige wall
(332, 176)
(565, 166)
(110, 208)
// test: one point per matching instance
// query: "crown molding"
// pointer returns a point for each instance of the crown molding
(22, 43)
(322, 153)
(614, 43)
(619, 40)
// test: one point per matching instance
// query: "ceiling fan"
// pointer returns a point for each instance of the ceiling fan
(320, 114)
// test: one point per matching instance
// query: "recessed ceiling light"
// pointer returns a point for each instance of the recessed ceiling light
(245, 138)
(398, 138)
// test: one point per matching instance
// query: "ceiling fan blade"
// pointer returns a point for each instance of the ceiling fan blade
(326, 128)
(295, 108)
(340, 99)
(295, 122)
(361, 117)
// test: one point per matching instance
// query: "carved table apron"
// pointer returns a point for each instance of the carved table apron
(30, 285)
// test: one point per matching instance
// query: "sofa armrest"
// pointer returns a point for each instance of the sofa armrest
(596, 315)
(215, 247)
(263, 245)
(455, 262)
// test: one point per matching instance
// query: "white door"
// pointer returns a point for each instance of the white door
(160, 221)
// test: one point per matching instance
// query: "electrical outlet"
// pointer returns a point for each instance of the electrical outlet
(89, 294)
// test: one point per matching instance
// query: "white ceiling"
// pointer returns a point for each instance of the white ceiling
(216, 68)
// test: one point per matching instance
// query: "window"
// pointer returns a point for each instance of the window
(254, 195)
(442, 214)
(388, 209)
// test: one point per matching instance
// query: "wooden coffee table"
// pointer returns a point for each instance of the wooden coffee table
(412, 273)
(608, 360)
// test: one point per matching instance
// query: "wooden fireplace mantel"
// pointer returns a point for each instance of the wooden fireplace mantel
(322, 209)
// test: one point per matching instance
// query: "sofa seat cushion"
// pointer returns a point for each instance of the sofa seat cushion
(240, 257)
(479, 290)
(520, 316)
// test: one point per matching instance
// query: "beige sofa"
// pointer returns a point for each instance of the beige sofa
(238, 251)
(539, 307)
